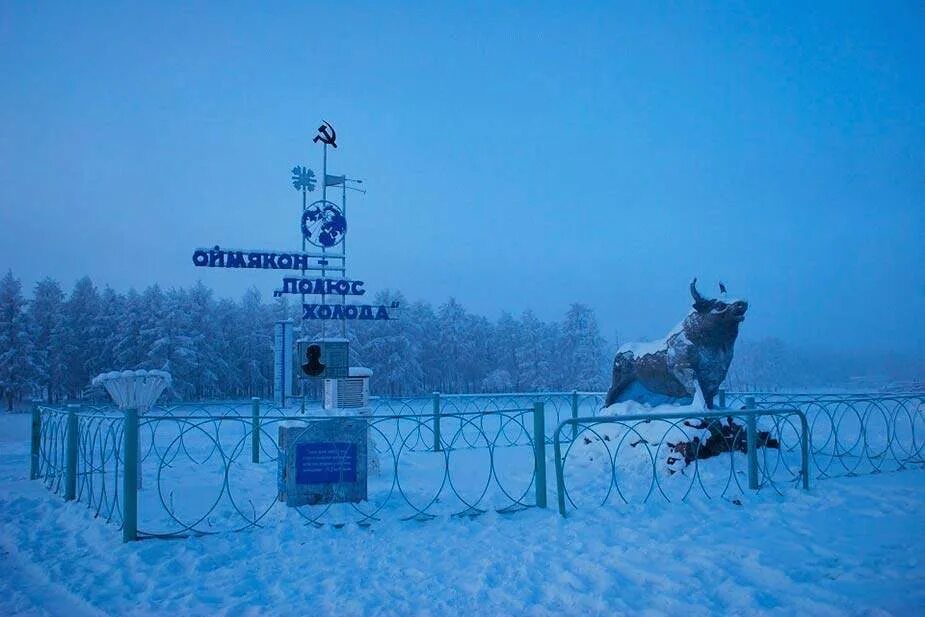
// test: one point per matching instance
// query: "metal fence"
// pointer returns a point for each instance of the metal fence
(856, 434)
(208, 468)
(628, 459)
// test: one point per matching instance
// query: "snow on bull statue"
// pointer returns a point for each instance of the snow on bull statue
(693, 357)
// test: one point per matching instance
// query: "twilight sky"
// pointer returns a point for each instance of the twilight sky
(515, 157)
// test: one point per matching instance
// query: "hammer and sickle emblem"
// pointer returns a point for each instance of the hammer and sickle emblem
(325, 136)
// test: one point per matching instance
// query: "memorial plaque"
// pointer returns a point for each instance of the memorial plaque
(323, 461)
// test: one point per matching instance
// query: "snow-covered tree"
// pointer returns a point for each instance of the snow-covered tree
(389, 352)
(106, 330)
(456, 345)
(80, 334)
(46, 312)
(506, 358)
(17, 371)
(206, 361)
(583, 363)
(127, 346)
(537, 350)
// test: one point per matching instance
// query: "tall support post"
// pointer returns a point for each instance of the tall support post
(324, 198)
(539, 453)
(437, 446)
(722, 398)
(36, 450)
(343, 249)
(130, 476)
(70, 455)
(255, 429)
(574, 414)
(751, 438)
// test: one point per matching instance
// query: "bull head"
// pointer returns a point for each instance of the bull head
(734, 311)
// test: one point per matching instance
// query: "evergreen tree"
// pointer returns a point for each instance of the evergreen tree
(206, 360)
(17, 371)
(46, 313)
(389, 352)
(127, 344)
(422, 326)
(582, 350)
(80, 326)
(106, 331)
(456, 346)
(537, 349)
(509, 368)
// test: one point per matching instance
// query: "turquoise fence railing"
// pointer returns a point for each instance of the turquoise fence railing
(438, 455)
(212, 471)
(558, 406)
(636, 458)
(855, 435)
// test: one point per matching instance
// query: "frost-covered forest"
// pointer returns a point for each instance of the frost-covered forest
(54, 342)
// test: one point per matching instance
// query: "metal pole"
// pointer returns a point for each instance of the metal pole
(560, 480)
(539, 453)
(343, 252)
(255, 430)
(574, 414)
(302, 318)
(35, 454)
(70, 455)
(324, 199)
(751, 433)
(436, 409)
(722, 398)
(804, 447)
(130, 476)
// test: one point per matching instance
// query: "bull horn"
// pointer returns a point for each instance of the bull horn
(698, 299)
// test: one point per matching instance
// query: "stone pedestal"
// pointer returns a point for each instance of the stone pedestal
(323, 461)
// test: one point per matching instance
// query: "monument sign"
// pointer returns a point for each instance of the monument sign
(323, 462)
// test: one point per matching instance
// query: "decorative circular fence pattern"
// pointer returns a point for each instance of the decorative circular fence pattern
(211, 468)
(216, 470)
(854, 434)
(638, 458)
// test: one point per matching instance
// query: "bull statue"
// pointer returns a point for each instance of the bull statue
(697, 352)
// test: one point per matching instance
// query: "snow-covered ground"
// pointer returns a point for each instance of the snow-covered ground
(849, 546)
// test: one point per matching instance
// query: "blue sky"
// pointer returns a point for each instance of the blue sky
(516, 156)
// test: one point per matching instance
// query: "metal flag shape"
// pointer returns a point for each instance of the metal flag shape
(326, 134)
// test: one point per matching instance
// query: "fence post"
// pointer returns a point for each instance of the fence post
(574, 414)
(749, 402)
(255, 429)
(35, 454)
(130, 476)
(751, 437)
(804, 448)
(437, 446)
(539, 453)
(722, 398)
(70, 455)
(560, 479)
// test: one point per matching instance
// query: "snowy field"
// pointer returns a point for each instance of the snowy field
(849, 546)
